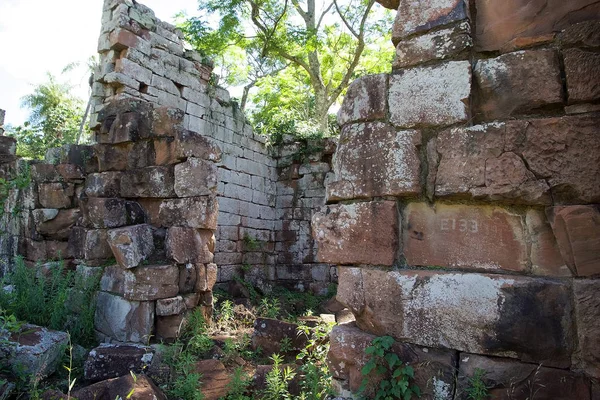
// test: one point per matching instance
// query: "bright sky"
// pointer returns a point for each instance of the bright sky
(37, 36)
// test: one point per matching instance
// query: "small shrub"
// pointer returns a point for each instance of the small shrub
(316, 381)
(477, 389)
(395, 376)
(237, 388)
(269, 308)
(277, 381)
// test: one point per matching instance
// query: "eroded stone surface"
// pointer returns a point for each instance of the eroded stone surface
(374, 159)
(190, 245)
(148, 182)
(131, 245)
(421, 16)
(145, 283)
(142, 388)
(577, 232)
(365, 100)
(430, 96)
(437, 45)
(517, 82)
(583, 75)
(192, 212)
(434, 368)
(545, 253)
(468, 312)
(467, 237)
(360, 233)
(587, 308)
(195, 177)
(114, 360)
(509, 379)
(501, 22)
(124, 320)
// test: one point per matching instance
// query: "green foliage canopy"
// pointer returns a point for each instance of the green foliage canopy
(300, 55)
(53, 121)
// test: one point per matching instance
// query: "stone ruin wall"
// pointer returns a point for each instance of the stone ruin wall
(464, 213)
(175, 162)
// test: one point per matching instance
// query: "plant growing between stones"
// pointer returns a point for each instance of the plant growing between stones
(395, 376)
(316, 377)
(477, 389)
(277, 380)
(237, 388)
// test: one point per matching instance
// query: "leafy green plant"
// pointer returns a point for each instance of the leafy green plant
(395, 377)
(185, 381)
(477, 389)
(251, 243)
(277, 380)
(195, 333)
(316, 382)
(285, 345)
(269, 308)
(237, 388)
(8, 322)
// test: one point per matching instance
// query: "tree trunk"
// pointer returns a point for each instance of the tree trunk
(321, 110)
(85, 115)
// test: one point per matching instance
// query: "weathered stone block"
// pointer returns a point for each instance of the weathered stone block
(55, 224)
(501, 22)
(577, 232)
(112, 158)
(430, 96)
(195, 177)
(195, 144)
(121, 39)
(584, 34)
(583, 75)
(422, 16)
(8, 145)
(468, 312)
(437, 45)
(190, 245)
(45, 173)
(587, 313)
(148, 182)
(517, 82)
(373, 160)
(167, 121)
(192, 212)
(99, 212)
(545, 254)
(56, 195)
(123, 320)
(70, 172)
(170, 306)
(460, 236)
(145, 283)
(140, 388)
(508, 379)
(206, 277)
(131, 245)
(526, 162)
(103, 184)
(365, 100)
(360, 233)
(434, 368)
(268, 334)
(114, 360)
(169, 327)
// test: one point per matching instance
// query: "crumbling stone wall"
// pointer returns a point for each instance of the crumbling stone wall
(464, 213)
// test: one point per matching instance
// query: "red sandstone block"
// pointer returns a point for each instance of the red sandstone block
(190, 245)
(583, 75)
(360, 233)
(466, 237)
(365, 100)
(577, 231)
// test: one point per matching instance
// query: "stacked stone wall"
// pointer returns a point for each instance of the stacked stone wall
(464, 212)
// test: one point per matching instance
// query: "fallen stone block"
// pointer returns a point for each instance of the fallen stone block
(468, 312)
(138, 388)
(124, 320)
(434, 368)
(510, 379)
(215, 379)
(114, 360)
(131, 245)
(269, 333)
(360, 233)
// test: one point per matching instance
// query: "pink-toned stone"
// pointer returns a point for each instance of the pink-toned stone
(545, 254)
(467, 237)
(424, 15)
(215, 378)
(190, 245)
(518, 82)
(145, 283)
(365, 100)
(430, 96)
(465, 311)
(70, 172)
(577, 232)
(374, 160)
(583, 75)
(360, 233)
(500, 22)
(583, 34)
(140, 388)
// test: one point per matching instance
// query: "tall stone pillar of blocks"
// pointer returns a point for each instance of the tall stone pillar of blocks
(464, 215)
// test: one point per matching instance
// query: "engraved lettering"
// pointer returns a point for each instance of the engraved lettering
(474, 228)
(463, 225)
(444, 225)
